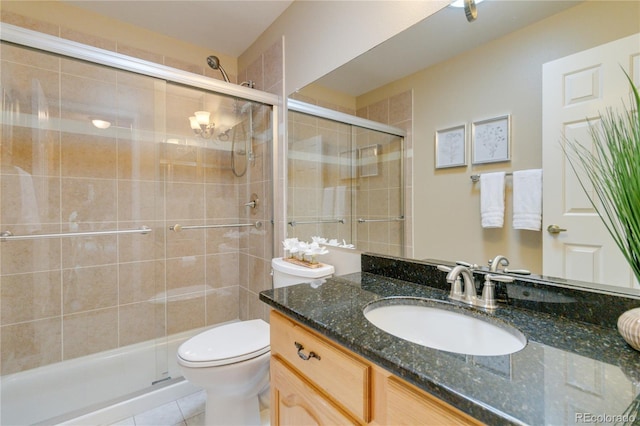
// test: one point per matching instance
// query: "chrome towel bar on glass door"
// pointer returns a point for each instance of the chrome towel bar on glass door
(8, 236)
(307, 222)
(389, 219)
(177, 227)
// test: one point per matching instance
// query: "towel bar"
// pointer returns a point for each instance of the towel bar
(476, 178)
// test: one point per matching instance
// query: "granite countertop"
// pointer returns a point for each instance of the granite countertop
(569, 372)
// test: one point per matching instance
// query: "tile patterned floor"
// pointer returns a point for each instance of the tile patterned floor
(187, 411)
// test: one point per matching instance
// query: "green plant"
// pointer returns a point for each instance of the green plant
(612, 168)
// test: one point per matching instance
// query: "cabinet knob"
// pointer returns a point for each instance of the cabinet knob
(302, 355)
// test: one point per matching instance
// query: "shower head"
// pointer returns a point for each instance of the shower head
(214, 63)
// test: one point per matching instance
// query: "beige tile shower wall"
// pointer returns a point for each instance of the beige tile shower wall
(257, 248)
(384, 190)
(117, 179)
(319, 188)
(65, 298)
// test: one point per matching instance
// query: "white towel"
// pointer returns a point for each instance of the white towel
(29, 212)
(328, 196)
(527, 199)
(492, 199)
(340, 202)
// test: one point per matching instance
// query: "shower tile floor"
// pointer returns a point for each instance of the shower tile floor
(186, 411)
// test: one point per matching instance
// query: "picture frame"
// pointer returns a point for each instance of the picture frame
(491, 140)
(450, 146)
(369, 160)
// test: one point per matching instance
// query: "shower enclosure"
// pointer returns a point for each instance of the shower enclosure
(345, 180)
(125, 229)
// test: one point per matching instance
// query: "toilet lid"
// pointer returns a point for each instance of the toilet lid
(227, 344)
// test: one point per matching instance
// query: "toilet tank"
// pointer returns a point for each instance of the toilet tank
(286, 273)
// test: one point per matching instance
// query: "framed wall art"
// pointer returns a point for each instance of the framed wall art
(451, 147)
(491, 140)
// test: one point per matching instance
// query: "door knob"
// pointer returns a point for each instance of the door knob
(555, 229)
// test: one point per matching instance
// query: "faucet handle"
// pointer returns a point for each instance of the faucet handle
(498, 278)
(517, 271)
(488, 299)
(467, 264)
(444, 268)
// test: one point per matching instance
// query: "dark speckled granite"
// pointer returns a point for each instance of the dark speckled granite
(569, 299)
(568, 364)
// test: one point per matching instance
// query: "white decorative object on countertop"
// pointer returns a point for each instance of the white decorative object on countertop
(629, 327)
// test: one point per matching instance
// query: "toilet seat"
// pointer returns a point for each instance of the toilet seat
(226, 344)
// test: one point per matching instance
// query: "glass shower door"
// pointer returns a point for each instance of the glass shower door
(379, 199)
(82, 199)
(345, 182)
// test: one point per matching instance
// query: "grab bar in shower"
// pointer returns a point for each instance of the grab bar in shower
(307, 222)
(389, 219)
(8, 235)
(177, 227)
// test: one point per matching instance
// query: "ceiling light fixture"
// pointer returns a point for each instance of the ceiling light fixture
(200, 124)
(101, 124)
(460, 3)
(469, 8)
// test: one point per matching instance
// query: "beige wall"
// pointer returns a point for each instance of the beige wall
(322, 35)
(502, 77)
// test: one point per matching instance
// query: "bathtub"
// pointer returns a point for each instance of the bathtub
(89, 390)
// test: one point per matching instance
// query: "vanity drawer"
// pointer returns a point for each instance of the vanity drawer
(341, 377)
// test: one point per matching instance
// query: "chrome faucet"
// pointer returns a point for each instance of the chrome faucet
(496, 262)
(453, 277)
(469, 296)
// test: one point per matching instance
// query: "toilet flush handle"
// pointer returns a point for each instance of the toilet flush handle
(301, 354)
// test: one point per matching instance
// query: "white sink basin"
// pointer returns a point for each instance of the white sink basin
(439, 325)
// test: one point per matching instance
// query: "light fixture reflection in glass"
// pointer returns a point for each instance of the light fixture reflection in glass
(200, 124)
(460, 3)
(101, 124)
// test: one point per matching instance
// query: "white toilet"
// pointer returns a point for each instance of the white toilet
(231, 361)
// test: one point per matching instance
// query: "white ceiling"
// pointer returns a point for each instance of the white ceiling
(225, 26)
(231, 26)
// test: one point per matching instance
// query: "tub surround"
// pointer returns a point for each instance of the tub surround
(575, 363)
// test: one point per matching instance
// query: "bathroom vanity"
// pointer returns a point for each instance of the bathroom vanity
(314, 380)
(330, 365)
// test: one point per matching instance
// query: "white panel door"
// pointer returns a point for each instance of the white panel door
(576, 89)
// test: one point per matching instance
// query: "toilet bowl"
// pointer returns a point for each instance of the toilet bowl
(231, 361)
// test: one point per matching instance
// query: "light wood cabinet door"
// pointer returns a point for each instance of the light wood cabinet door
(295, 402)
(343, 377)
(406, 405)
